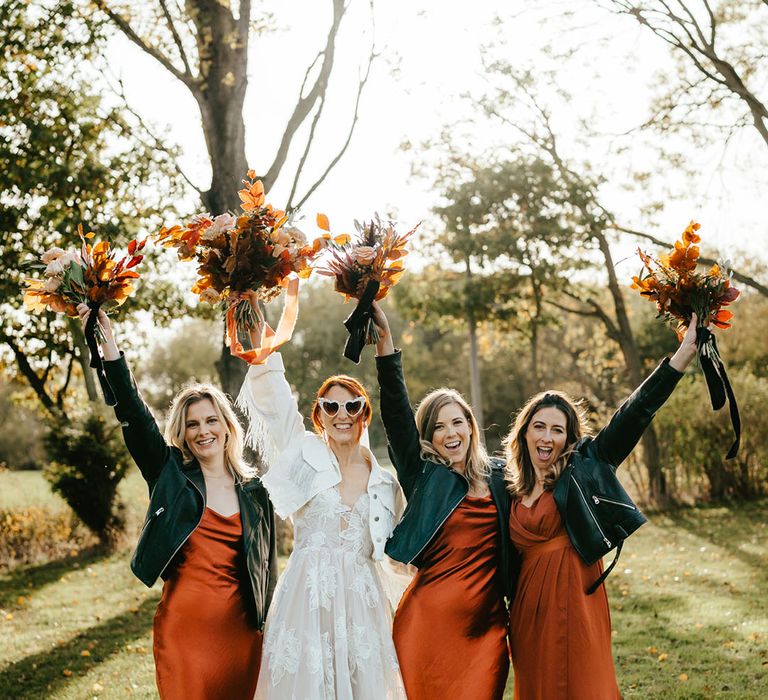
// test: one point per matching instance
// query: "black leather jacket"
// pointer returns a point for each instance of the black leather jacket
(177, 499)
(596, 510)
(433, 490)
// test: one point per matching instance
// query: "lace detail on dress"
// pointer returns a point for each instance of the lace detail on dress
(329, 631)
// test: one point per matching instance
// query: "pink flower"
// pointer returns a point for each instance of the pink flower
(364, 254)
(52, 284)
(52, 254)
(223, 222)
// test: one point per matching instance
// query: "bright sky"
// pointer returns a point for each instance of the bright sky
(435, 47)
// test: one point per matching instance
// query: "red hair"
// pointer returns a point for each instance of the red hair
(354, 387)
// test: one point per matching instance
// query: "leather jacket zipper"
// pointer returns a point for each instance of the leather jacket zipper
(453, 507)
(602, 499)
(151, 519)
(586, 504)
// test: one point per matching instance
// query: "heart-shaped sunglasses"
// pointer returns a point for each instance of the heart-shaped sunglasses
(352, 407)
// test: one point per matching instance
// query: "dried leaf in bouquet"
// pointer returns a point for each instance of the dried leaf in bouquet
(245, 260)
(365, 267)
(674, 284)
(91, 275)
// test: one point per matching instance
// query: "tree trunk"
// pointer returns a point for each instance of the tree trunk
(533, 382)
(657, 483)
(475, 390)
(83, 356)
(223, 51)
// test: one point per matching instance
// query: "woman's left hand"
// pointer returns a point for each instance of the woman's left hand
(687, 350)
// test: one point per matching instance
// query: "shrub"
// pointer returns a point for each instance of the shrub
(694, 439)
(34, 535)
(88, 461)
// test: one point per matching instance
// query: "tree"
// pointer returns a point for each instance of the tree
(67, 156)
(509, 232)
(204, 44)
(514, 102)
(721, 62)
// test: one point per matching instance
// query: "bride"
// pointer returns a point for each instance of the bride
(328, 634)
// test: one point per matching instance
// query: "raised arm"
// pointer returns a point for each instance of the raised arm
(396, 412)
(617, 439)
(268, 401)
(141, 433)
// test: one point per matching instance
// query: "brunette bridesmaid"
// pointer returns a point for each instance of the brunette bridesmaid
(568, 510)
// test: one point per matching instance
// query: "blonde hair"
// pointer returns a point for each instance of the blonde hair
(477, 468)
(519, 472)
(175, 428)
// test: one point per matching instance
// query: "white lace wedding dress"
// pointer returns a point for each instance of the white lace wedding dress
(329, 632)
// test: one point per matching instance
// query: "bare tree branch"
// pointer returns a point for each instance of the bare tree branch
(176, 37)
(699, 48)
(360, 87)
(305, 154)
(38, 385)
(63, 390)
(305, 103)
(124, 26)
(157, 143)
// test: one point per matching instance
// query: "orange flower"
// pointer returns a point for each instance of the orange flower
(255, 251)
(678, 290)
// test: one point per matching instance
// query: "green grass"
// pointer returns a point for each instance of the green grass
(689, 605)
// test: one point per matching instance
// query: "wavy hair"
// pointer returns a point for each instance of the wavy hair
(354, 387)
(175, 428)
(519, 472)
(477, 468)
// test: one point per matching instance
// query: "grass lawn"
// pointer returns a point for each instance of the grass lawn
(689, 608)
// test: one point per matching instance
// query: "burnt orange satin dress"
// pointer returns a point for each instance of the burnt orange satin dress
(560, 636)
(205, 647)
(450, 629)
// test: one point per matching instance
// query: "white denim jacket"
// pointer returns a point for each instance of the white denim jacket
(301, 464)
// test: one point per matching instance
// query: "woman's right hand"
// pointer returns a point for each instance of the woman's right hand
(385, 345)
(108, 346)
(254, 333)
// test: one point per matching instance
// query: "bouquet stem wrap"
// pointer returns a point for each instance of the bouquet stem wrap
(270, 339)
(718, 383)
(360, 324)
(93, 348)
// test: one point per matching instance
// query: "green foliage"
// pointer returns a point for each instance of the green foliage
(694, 439)
(88, 461)
(187, 354)
(68, 155)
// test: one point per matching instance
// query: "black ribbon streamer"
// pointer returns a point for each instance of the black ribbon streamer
(359, 323)
(718, 383)
(93, 347)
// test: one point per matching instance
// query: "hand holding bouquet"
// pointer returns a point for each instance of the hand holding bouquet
(91, 275)
(673, 283)
(256, 253)
(365, 268)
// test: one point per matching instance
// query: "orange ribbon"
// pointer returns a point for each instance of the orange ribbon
(270, 340)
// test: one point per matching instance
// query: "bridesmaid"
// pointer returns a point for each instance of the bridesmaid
(209, 534)
(568, 511)
(450, 629)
